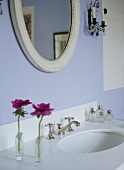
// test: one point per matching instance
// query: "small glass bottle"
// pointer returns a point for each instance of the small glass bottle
(98, 110)
(109, 116)
(92, 115)
(101, 118)
(19, 146)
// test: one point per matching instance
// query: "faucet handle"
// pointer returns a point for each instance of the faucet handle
(69, 129)
(69, 119)
(50, 125)
(59, 126)
(50, 133)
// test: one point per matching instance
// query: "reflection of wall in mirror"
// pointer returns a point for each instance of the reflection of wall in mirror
(55, 20)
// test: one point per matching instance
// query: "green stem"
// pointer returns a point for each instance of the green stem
(19, 133)
(39, 136)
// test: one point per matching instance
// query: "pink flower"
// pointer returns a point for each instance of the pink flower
(41, 109)
(19, 103)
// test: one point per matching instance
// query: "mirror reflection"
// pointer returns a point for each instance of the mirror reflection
(48, 24)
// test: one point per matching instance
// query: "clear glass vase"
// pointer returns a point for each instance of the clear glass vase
(19, 146)
(38, 149)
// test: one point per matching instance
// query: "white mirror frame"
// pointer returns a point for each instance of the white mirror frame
(34, 57)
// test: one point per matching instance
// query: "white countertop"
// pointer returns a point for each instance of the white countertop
(54, 159)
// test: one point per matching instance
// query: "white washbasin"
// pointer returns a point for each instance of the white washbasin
(91, 141)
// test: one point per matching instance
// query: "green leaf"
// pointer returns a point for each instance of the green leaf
(20, 112)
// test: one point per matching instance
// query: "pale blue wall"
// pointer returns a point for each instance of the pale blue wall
(81, 81)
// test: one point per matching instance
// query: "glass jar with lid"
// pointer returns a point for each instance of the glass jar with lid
(109, 116)
(101, 117)
(98, 110)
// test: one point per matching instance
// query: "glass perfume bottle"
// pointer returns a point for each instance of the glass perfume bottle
(19, 146)
(92, 115)
(98, 110)
(109, 116)
(101, 118)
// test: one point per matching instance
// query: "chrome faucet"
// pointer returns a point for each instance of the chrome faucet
(61, 131)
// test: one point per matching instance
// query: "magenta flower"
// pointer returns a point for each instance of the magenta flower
(41, 110)
(19, 103)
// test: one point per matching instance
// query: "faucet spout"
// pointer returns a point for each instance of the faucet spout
(67, 128)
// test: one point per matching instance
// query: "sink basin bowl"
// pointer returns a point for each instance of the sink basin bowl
(91, 141)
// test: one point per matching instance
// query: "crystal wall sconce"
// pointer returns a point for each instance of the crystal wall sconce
(93, 24)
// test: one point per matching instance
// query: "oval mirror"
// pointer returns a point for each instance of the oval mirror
(58, 25)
